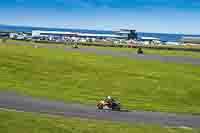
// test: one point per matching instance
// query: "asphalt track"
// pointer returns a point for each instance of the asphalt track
(174, 59)
(166, 59)
(13, 101)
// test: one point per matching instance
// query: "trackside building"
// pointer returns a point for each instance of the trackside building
(122, 34)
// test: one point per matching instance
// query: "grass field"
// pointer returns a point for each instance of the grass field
(86, 78)
(133, 50)
(12, 122)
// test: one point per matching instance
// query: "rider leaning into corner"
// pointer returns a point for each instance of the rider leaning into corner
(110, 103)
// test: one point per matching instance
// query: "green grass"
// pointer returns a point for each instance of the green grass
(133, 50)
(86, 78)
(12, 122)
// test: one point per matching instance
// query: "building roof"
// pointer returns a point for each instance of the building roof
(149, 38)
(123, 32)
(98, 35)
(188, 39)
(191, 37)
(54, 32)
(37, 32)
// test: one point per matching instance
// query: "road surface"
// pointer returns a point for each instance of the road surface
(9, 100)
(174, 59)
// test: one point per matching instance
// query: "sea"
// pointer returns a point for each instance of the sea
(163, 36)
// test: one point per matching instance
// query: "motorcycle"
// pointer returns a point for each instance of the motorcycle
(75, 46)
(140, 51)
(103, 105)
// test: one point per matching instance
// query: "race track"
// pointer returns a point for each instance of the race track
(13, 101)
(174, 59)
(166, 59)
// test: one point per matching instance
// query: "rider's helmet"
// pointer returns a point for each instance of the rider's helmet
(109, 97)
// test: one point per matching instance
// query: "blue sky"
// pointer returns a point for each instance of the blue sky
(169, 16)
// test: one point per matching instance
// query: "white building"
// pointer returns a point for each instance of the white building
(127, 34)
(190, 40)
(62, 35)
(150, 40)
(13, 35)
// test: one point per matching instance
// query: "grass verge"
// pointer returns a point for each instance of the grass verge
(13, 122)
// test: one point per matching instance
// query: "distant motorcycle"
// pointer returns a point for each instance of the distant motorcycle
(75, 46)
(103, 105)
(140, 51)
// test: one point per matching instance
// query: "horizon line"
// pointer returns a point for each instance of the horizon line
(91, 29)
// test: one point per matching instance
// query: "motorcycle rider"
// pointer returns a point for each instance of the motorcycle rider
(109, 99)
(140, 51)
(109, 103)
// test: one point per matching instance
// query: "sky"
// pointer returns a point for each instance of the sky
(164, 16)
